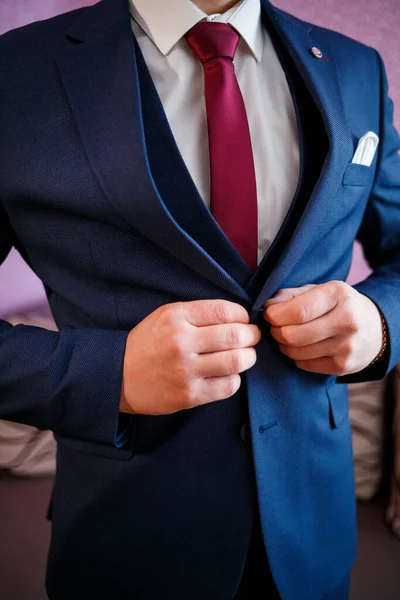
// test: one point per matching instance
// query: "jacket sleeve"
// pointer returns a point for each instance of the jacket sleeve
(379, 235)
(67, 381)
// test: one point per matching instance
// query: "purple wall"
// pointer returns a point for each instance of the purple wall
(374, 22)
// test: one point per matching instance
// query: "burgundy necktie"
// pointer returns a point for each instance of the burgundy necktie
(233, 194)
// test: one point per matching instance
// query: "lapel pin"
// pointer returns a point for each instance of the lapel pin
(316, 52)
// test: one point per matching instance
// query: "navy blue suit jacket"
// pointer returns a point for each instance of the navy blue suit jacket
(167, 511)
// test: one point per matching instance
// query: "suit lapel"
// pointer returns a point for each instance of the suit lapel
(179, 191)
(99, 72)
(100, 76)
(321, 80)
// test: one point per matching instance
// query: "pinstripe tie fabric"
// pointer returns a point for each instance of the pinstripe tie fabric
(233, 197)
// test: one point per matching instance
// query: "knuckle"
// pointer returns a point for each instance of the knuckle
(163, 311)
(291, 352)
(182, 373)
(222, 312)
(303, 313)
(177, 344)
(169, 311)
(287, 336)
(189, 394)
(341, 364)
(233, 336)
(349, 317)
(352, 322)
(337, 361)
(236, 361)
(341, 289)
(347, 348)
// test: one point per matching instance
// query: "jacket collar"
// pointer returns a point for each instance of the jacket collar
(109, 109)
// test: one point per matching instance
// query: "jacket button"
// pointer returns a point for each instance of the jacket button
(244, 432)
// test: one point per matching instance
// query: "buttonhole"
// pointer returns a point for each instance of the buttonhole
(268, 426)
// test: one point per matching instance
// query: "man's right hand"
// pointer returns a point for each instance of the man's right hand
(185, 354)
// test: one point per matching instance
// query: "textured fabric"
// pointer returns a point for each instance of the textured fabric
(256, 581)
(233, 182)
(175, 509)
(178, 77)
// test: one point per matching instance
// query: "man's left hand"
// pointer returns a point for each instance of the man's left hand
(329, 328)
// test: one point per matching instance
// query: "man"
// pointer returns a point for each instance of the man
(184, 179)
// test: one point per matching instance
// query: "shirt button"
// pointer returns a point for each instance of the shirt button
(244, 432)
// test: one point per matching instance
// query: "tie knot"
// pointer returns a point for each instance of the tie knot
(213, 40)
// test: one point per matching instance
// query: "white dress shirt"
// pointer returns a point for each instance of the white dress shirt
(159, 28)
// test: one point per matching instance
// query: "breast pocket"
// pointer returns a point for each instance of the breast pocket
(358, 175)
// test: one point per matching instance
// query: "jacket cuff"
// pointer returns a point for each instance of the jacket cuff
(124, 430)
(86, 404)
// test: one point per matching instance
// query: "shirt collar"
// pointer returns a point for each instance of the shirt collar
(168, 25)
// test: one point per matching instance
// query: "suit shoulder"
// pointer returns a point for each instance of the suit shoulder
(36, 38)
(345, 44)
(339, 42)
(350, 55)
(355, 60)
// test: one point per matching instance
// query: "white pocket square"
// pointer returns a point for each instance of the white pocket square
(366, 148)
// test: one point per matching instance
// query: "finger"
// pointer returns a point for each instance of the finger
(308, 333)
(227, 362)
(324, 365)
(328, 365)
(329, 347)
(303, 308)
(212, 389)
(215, 338)
(288, 293)
(212, 312)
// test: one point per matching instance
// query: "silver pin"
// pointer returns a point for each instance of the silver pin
(316, 52)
